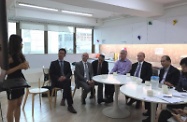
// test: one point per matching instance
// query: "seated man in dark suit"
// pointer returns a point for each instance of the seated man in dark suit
(100, 66)
(143, 70)
(169, 75)
(177, 111)
(60, 73)
(84, 74)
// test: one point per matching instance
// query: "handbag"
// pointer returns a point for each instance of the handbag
(15, 83)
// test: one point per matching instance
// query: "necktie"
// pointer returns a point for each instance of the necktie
(62, 67)
(86, 71)
(137, 70)
(99, 69)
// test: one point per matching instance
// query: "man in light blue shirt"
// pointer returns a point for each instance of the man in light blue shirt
(122, 66)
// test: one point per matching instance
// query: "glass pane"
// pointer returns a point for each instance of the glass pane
(11, 28)
(57, 40)
(33, 41)
(83, 40)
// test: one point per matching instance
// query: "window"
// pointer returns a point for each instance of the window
(57, 40)
(11, 28)
(83, 40)
(33, 41)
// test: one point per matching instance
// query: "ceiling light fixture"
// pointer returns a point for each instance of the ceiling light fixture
(77, 13)
(37, 7)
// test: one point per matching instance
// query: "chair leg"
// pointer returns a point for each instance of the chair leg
(33, 104)
(49, 97)
(55, 98)
(25, 98)
(74, 92)
(40, 99)
(52, 94)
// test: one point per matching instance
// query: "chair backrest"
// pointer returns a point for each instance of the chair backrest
(155, 71)
(46, 74)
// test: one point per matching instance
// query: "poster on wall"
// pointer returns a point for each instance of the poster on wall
(159, 51)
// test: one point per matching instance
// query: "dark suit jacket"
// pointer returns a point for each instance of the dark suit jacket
(55, 71)
(104, 67)
(79, 72)
(172, 75)
(146, 71)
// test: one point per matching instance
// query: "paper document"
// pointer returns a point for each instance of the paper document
(169, 99)
(179, 94)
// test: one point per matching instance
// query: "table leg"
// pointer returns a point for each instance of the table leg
(153, 111)
(114, 111)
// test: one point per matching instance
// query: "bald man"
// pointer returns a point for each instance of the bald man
(83, 75)
(143, 70)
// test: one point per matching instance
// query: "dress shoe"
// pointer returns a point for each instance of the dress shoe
(71, 109)
(99, 101)
(91, 96)
(63, 102)
(146, 114)
(109, 100)
(148, 119)
(83, 101)
(130, 102)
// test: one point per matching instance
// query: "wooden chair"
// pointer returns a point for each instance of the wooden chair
(35, 91)
(56, 89)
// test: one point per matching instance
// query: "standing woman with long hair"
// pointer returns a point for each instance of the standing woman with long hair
(17, 62)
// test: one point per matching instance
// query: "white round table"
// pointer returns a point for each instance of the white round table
(139, 92)
(117, 80)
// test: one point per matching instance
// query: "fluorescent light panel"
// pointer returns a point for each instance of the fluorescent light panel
(37, 7)
(76, 13)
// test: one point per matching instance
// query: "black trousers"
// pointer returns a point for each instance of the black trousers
(109, 91)
(148, 106)
(164, 116)
(66, 86)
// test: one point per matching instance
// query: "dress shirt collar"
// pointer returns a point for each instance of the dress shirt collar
(60, 60)
(123, 60)
(141, 62)
(84, 62)
(166, 69)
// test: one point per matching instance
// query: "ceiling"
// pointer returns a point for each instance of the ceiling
(101, 10)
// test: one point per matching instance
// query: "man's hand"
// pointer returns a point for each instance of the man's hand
(61, 78)
(91, 82)
(179, 111)
(177, 117)
(168, 83)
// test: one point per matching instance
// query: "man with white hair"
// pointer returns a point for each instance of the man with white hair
(83, 75)
(143, 70)
(122, 66)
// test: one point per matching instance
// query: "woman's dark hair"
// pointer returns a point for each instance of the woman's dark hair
(62, 49)
(183, 61)
(15, 46)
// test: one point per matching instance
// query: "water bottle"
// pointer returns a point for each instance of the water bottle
(154, 82)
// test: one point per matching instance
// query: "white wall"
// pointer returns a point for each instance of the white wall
(162, 30)
(40, 60)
